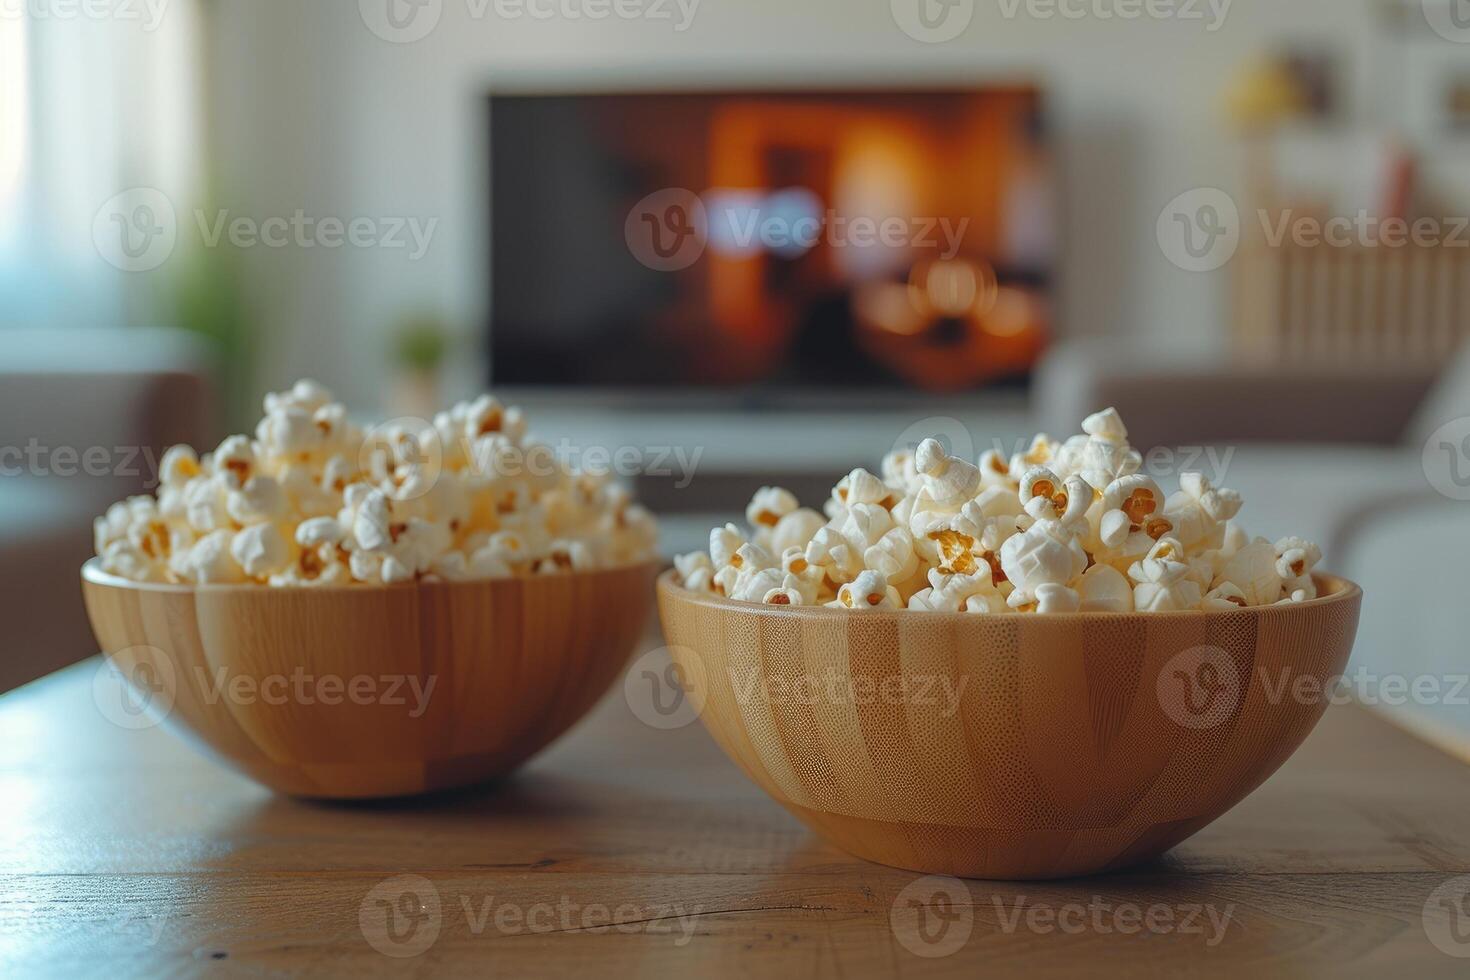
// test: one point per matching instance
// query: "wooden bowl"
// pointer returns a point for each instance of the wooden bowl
(1013, 746)
(325, 692)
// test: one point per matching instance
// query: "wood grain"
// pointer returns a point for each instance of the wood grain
(125, 853)
(1014, 747)
(373, 691)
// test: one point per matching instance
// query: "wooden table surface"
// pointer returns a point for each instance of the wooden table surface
(126, 853)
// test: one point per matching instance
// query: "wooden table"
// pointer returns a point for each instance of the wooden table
(125, 853)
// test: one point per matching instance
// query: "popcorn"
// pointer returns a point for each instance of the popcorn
(1052, 598)
(314, 567)
(753, 585)
(786, 596)
(125, 559)
(1163, 583)
(752, 558)
(801, 574)
(995, 469)
(1045, 554)
(947, 479)
(694, 561)
(893, 554)
(794, 530)
(1252, 570)
(870, 590)
(865, 524)
(724, 542)
(1105, 589)
(769, 505)
(180, 464)
(1224, 597)
(311, 500)
(205, 503)
(1060, 527)
(972, 593)
(1295, 559)
(211, 561)
(860, 487)
(832, 553)
(901, 472)
(1047, 498)
(320, 531)
(261, 550)
(1198, 509)
(261, 499)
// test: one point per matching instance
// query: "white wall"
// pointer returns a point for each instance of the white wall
(315, 111)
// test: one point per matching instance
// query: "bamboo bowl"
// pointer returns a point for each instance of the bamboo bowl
(1011, 747)
(326, 692)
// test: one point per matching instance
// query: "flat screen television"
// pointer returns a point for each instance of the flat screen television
(770, 242)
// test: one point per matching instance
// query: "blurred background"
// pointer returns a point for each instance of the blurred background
(771, 240)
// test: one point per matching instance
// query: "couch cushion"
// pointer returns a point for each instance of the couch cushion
(1192, 397)
(1308, 491)
(1449, 399)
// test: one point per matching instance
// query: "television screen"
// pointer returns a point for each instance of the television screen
(770, 240)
